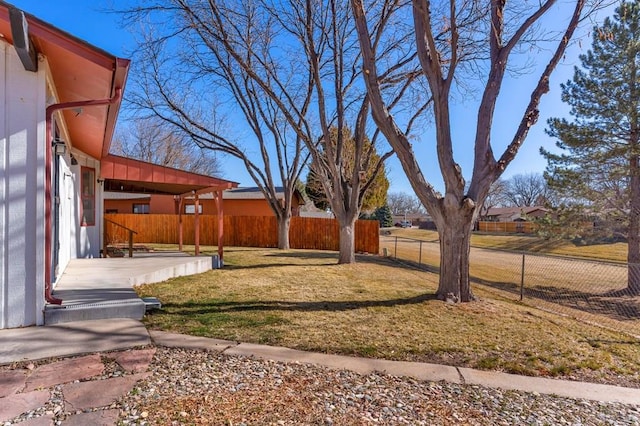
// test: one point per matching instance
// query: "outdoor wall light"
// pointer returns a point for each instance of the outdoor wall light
(74, 162)
(100, 181)
(59, 147)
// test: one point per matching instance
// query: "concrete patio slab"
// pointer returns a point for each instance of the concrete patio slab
(31, 343)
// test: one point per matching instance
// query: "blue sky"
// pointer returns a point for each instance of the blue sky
(87, 20)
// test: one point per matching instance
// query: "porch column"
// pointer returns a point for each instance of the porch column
(180, 223)
(196, 223)
(220, 225)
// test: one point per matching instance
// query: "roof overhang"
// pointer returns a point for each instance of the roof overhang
(128, 175)
(79, 72)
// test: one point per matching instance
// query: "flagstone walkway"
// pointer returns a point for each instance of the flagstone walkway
(81, 391)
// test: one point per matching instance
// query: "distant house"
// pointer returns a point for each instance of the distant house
(514, 214)
(247, 201)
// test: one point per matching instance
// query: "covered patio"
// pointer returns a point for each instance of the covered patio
(126, 175)
(102, 288)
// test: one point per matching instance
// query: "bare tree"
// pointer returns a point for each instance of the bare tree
(497, 197)
(451, 38)
(300, 59)
(182, 77)
(401, 203)
(151, 140)
(525, 190)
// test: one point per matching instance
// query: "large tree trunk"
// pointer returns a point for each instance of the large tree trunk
(347, 241)
(455, 245)
(284, 223)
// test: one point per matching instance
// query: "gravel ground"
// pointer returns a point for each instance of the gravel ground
(197, 388)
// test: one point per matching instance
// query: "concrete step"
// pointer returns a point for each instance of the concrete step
(128, 308)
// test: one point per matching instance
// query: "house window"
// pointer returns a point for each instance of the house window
(141, 209)
(88, 196)
(191, 209)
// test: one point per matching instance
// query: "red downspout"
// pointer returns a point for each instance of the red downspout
(51, 109)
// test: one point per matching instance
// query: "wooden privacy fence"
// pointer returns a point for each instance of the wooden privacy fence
(508, 227)
(241, 231)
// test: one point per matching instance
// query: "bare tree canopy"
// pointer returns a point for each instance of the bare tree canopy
(151, 140)
(188, 78)
(526, 190)
(455, 40)
(401, 203)
(298, 62)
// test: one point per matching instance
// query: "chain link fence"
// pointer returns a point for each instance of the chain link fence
(588, 290)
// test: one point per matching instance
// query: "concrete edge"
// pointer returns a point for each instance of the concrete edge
(416, 370)
(542, 385)
(196, 265)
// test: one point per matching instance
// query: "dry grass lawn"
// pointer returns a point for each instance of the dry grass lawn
(378, 308)
(616, 252)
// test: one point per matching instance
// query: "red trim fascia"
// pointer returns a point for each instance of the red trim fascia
(48, 246)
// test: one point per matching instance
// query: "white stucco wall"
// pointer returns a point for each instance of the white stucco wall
(22, 222)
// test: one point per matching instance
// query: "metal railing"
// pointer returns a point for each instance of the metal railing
(589, 290)
(129, 239)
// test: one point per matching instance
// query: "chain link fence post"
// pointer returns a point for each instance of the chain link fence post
(522, 279)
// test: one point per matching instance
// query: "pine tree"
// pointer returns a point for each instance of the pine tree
(374, 197)
(599, 163)
(384, 216)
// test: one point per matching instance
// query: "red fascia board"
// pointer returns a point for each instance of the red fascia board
(116, 167)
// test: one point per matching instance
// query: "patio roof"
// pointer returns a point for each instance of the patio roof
(122, 174)
(79, 72)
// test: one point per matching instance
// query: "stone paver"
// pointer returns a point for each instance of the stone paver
(94, 418)
(98, 393)
(134, 361)
(65, 371)
(38, 421)
(12, 381)
(14, 405)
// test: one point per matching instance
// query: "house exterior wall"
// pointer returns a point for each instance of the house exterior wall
(165, 204)
(22, 171)
(75, 239)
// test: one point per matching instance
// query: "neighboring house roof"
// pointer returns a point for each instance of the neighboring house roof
(512, 213)
(129, 175)
(254, 193)
(79, 72)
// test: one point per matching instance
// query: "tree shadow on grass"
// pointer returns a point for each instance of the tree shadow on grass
(201, 308)
(328, 258)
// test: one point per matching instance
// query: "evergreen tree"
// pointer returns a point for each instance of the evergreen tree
(384, 216)
(599, 163)
(375, 196)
